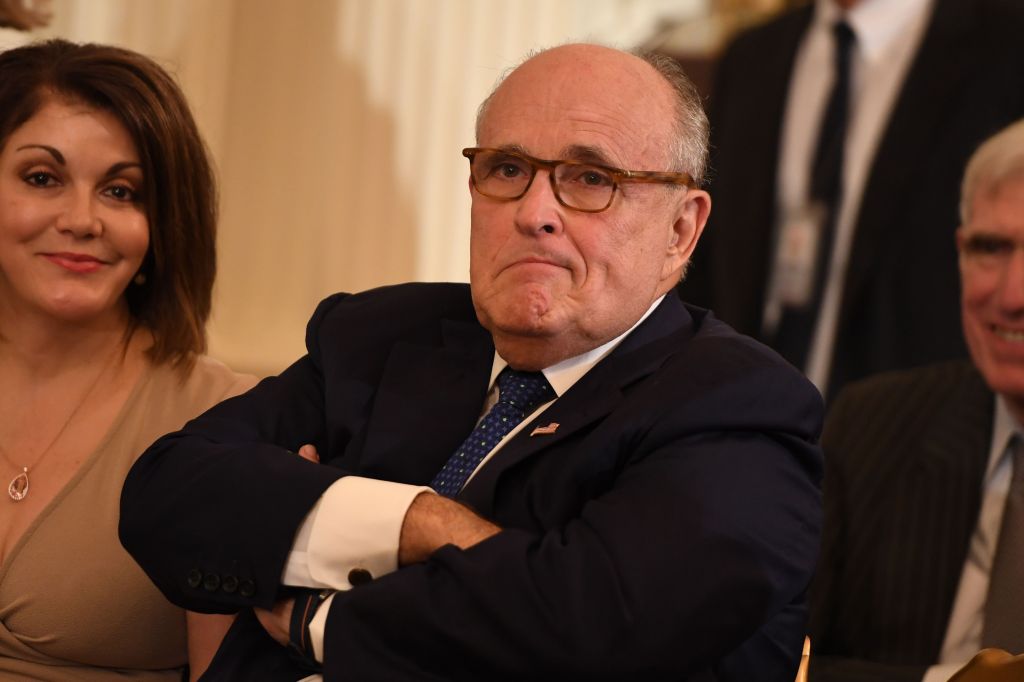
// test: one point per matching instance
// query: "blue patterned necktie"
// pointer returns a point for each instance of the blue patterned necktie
(519, 394)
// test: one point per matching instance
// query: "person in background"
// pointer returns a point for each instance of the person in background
(107, 232)
(839, 131)
(923, 548)
(626, 488)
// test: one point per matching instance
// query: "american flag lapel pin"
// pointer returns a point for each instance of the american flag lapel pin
(544, 430)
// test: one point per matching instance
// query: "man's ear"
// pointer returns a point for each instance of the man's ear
(687, 228)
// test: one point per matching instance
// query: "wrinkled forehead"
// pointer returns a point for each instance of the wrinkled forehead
(584, 97)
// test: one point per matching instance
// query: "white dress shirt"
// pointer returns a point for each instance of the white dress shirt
(357, 522)
(888, 33)
(966, 620)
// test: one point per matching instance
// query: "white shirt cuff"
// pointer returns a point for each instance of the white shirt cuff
(352, 531)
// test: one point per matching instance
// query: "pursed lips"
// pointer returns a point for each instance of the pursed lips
(537, 260)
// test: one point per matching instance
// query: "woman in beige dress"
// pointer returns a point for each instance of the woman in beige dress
(107, 231)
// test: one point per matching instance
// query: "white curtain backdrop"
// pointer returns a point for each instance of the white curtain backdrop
(336, 127)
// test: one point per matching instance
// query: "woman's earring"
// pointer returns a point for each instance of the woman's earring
(139, 279)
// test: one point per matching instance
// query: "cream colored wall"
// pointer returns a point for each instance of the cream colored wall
(336, 126)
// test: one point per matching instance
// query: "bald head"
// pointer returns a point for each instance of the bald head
(645, 81)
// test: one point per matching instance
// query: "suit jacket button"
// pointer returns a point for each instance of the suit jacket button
(195, 578)
(229, 584)
(247, 588)
(359, 576)
(211, 582)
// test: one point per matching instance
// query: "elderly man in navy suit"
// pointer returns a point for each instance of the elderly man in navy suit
(628, 488)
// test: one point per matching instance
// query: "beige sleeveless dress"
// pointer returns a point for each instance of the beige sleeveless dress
(73, 603)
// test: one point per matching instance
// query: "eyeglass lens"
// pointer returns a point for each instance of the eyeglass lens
(503, 175)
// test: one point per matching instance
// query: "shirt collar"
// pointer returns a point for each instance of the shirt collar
(564, 374)
(878, 24)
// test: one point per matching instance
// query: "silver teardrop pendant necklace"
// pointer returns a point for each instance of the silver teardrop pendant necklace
(18, 488)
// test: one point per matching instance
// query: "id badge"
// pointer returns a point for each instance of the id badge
(796, 257)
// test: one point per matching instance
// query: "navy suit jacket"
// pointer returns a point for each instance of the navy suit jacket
(965, 83)
(667, 530)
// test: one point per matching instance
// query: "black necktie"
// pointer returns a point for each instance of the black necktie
(796, 326)
(519, 394)
(1004, 606)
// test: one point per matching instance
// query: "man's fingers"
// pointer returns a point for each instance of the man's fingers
(991, 665)
(309, 452)
(276, 621)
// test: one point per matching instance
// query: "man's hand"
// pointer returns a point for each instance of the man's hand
(433, 521)
(277, 620)
(992, 665)
(309, 452)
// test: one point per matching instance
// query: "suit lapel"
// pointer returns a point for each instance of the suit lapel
(947, 480)
(428, 401)
(590, 399)
(932, 81)
(956, 447)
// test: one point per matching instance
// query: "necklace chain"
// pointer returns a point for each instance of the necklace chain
(19, 485)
